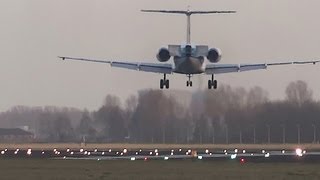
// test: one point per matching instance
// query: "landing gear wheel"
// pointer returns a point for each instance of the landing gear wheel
(187, 83)
(215, 84)
(190, 83)
(209, 84)
(161, 83)
(167, 83)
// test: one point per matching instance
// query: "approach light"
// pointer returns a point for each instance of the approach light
(29, 152)
(89, 153)
(125, 150)
(132, 158)
(263, 151)
(156, 150)
(242, 160)
(157, 154)
(166, 158)
(283, 151)
(299, 152)
(171, 154)
(267, 155)
(236, 151)
(244, 151)
(42, 152)
(207, 151)
(110, 150)
(68, 150)
(2, 152)
(102, 153)
(180, 150)
(81, 150)
(96, 150)
(71, 153)
(233, 156)
(150, 153)
(200, 157)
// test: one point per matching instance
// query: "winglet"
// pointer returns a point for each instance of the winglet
(61, 57)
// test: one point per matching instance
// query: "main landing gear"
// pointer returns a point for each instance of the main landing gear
(212, 83)
(189, 82)
(164, 82)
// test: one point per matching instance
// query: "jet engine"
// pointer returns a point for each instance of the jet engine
(214, 55)
(163, 55)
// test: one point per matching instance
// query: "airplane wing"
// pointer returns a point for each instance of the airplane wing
(147, 67)
(230, 68)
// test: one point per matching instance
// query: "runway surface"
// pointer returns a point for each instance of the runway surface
(241, 155)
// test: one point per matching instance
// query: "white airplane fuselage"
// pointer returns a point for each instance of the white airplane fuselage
(189, 64)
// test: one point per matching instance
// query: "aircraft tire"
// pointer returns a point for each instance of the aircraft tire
(161, 84)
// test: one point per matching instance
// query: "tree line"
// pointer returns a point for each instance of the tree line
(227, 115)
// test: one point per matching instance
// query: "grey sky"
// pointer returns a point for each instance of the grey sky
(34, 32)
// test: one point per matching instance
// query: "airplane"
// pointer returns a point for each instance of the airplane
(189, 59)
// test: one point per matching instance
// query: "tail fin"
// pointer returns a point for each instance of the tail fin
(188, 13)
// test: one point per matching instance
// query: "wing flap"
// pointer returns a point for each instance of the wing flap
(146, 67)
(229, 68)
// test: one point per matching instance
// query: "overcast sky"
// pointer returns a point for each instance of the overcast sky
(34, 32)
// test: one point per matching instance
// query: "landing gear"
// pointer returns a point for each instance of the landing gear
(212, 83)
(164, 82)
(189, 82)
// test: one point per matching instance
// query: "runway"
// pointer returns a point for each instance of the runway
(241, 155)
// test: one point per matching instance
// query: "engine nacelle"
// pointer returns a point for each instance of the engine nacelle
(214, 55)
(163, 55)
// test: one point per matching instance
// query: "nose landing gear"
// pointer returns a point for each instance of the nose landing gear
(189, 82)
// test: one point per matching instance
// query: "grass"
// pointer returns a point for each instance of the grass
(50, 146)
(157, 169)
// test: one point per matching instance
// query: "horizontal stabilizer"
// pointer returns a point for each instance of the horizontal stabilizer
(189, 12)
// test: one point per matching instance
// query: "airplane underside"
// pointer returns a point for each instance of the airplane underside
(188, 66)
